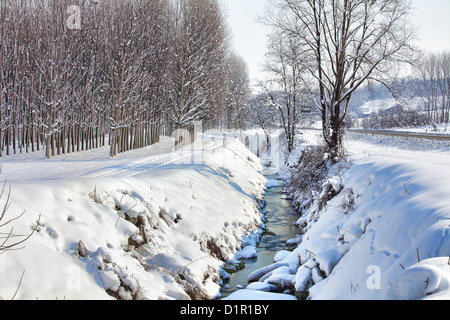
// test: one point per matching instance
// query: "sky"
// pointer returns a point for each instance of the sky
(432, 17)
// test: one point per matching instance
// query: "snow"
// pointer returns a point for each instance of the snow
(261, 286)
(280, 255)
(154, 222)
(384, 236)
(249, 252)
(387, 246)
(248, 294)
(272, 183)
(428, 279)
(302, 278)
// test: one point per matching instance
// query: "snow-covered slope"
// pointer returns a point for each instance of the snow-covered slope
(157, 224)
(385, 235)
(151, 223)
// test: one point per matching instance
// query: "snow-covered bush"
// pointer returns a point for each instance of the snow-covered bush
(314, 180)
(306, 177)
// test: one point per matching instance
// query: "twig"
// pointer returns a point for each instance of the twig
(81, 249)
(184, 267)
(20, 282)
(130, 209)
(4, 247)
(126, 213)
(117, 221)
(340, 228)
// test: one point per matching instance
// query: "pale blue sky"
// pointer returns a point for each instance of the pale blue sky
(431, 16)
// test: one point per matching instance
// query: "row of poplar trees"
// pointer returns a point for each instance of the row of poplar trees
(76, 75)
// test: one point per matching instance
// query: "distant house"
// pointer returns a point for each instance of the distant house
(364, 111)
(377, 106)
(398, 108)
(305, 109)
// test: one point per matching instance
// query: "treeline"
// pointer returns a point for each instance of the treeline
(387, 120)
(76, 75)
(430, 82)
(434, 85)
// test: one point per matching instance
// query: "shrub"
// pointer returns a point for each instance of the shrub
(307, 176)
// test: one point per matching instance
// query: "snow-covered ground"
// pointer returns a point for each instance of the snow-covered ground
(440, 128)
(156, 223)
(384, 236)
(152, 223)
(398, 223)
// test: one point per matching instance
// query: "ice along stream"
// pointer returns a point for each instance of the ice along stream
(280, 218)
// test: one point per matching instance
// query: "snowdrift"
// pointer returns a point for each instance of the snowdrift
(149, 224)
(384, 235)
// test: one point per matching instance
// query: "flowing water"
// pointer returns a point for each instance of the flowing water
(280, 227)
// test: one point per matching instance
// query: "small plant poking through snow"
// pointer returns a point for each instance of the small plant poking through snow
(97, 198)
(348, 201)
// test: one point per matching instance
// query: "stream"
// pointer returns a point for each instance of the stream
(280, 216)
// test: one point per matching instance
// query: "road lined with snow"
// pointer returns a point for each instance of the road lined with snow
(406, 134)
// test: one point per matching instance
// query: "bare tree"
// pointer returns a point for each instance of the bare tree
(348, 42)
(284, 53)
(434, 74)
(128, 69)
(199, 50)
(238, 93)
(263, 112)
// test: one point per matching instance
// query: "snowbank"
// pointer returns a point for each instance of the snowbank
(384, 235)
(393, 211)
(428, 279)
(149, 224)
(249, 294)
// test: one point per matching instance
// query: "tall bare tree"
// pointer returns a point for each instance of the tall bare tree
(199, 50)
(434, 75)
(73, 73)
(239, 92)
(347, 42)
(283, 56)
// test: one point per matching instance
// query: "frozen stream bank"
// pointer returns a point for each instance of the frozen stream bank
(275, 243)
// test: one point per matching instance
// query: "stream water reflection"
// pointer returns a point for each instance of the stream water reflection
(280, 227)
